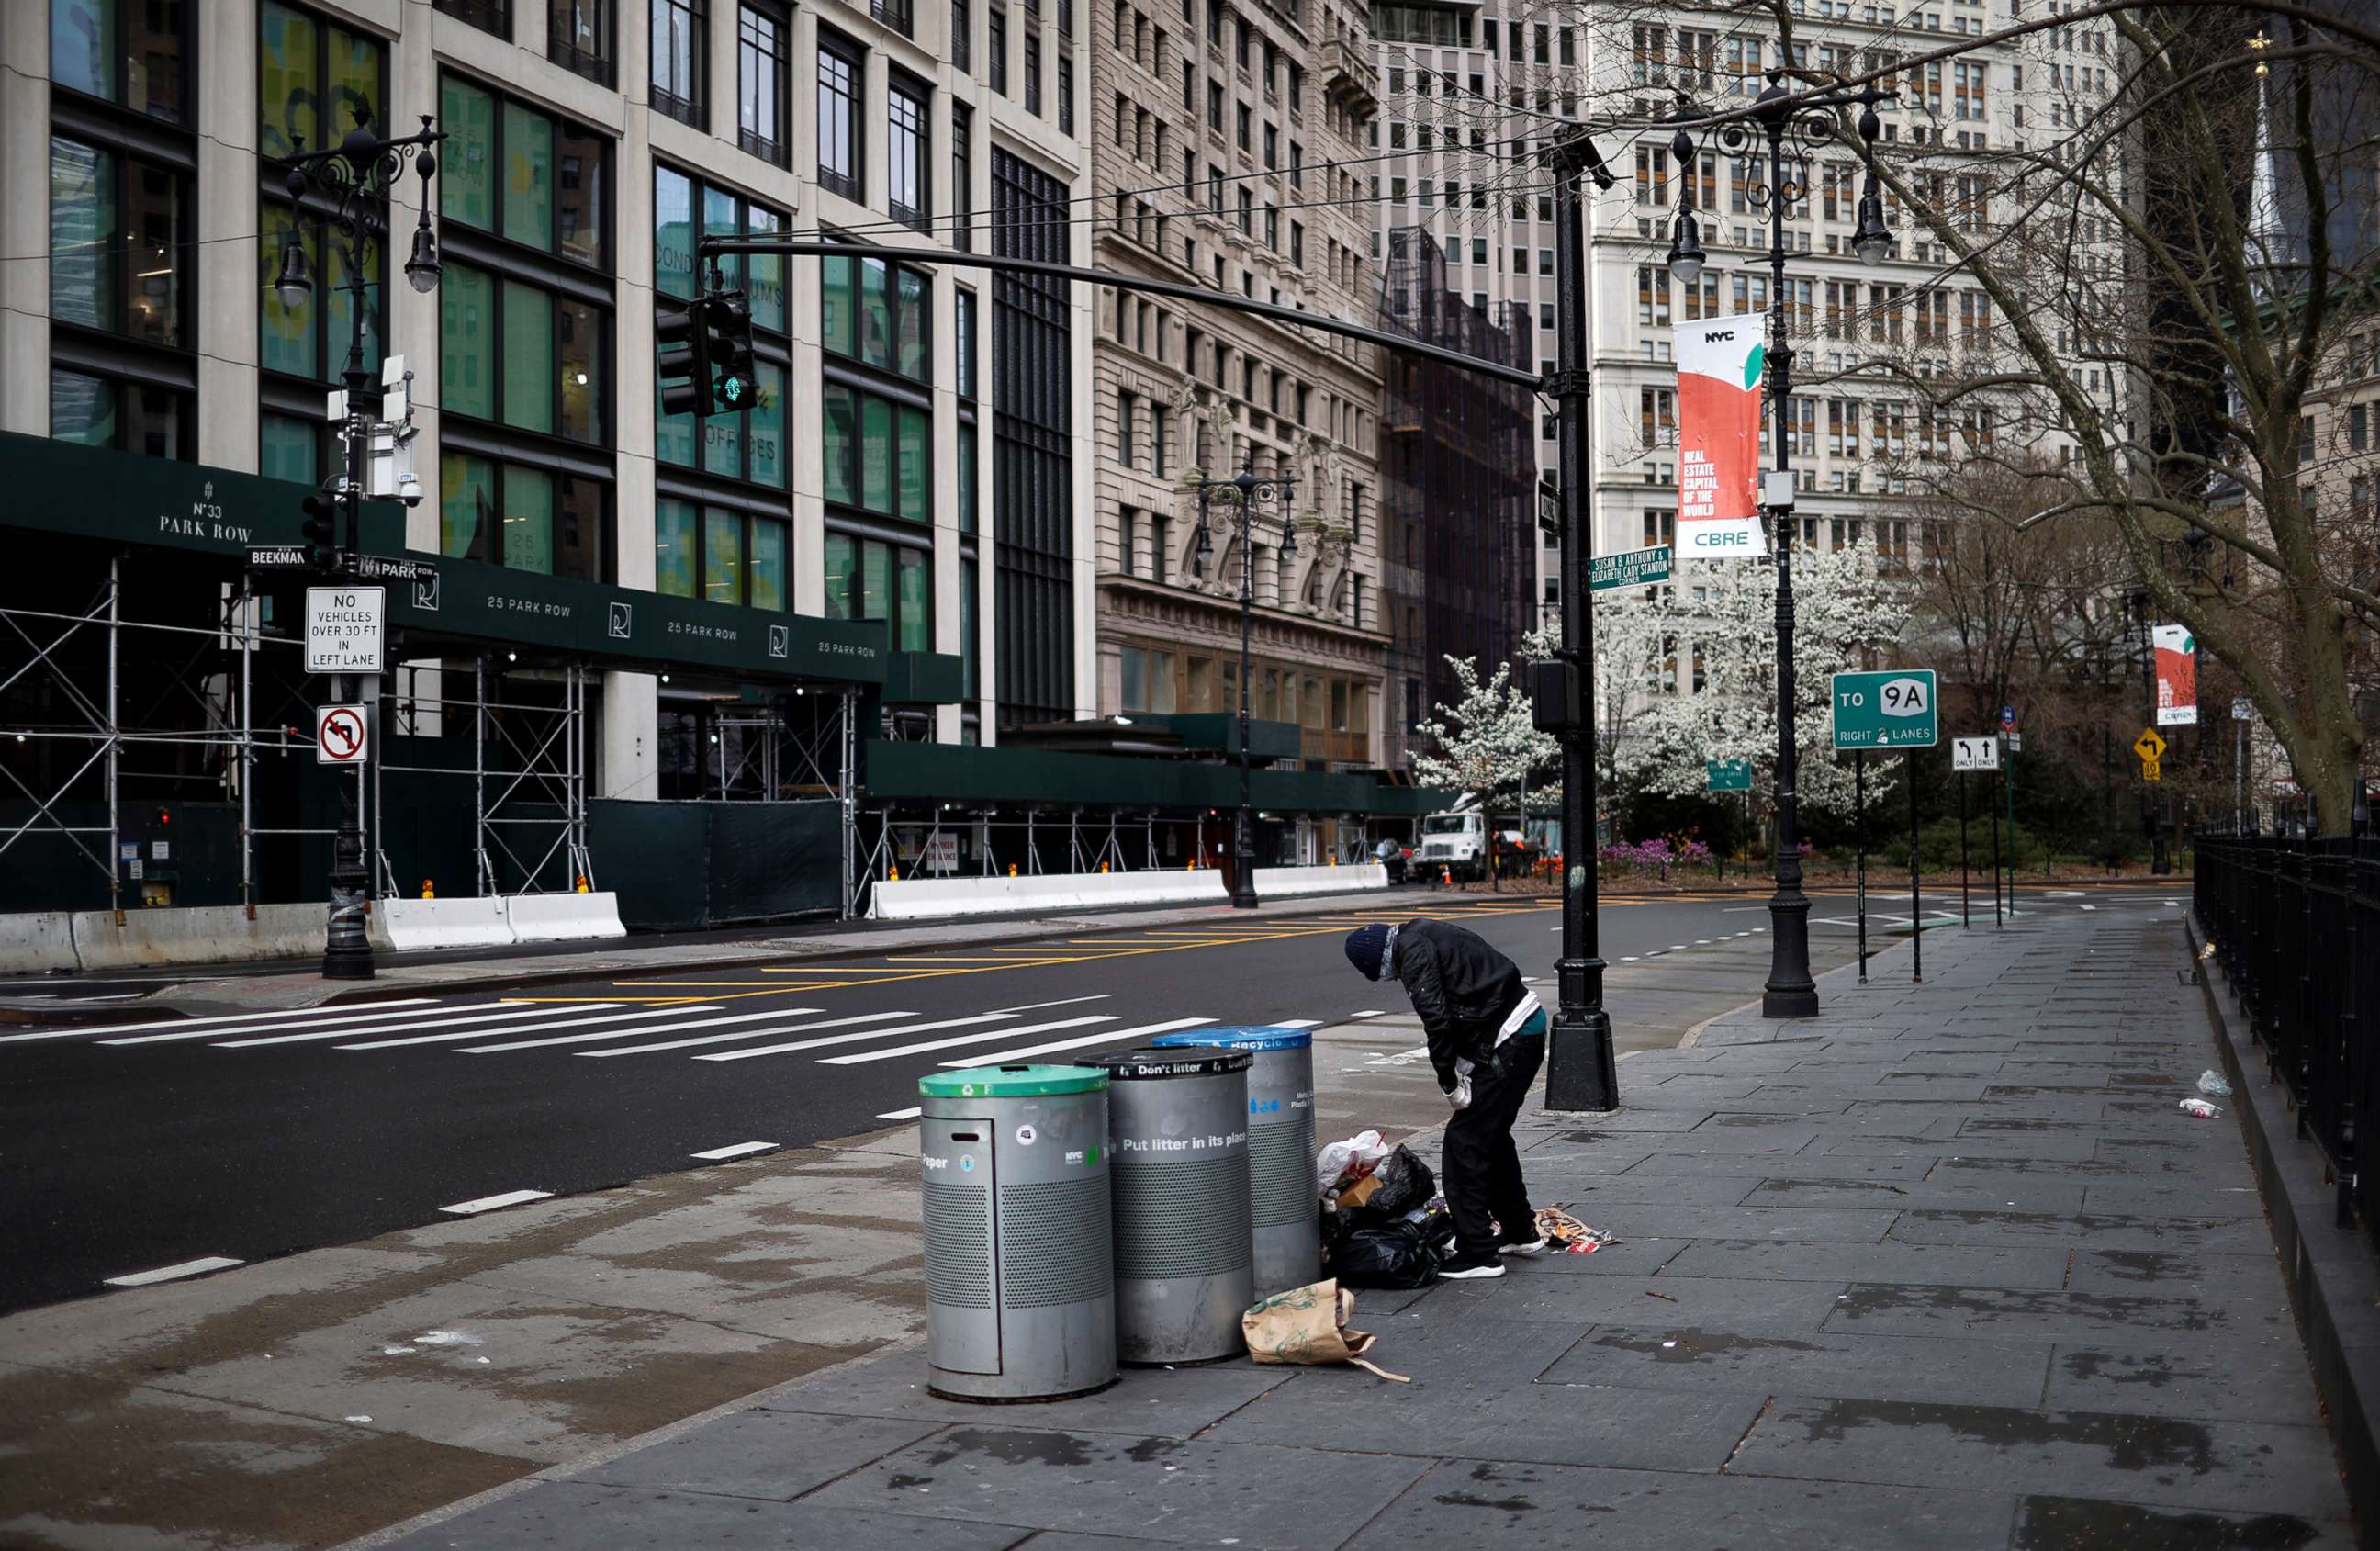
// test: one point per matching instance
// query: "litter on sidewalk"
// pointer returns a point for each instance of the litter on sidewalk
(2211, 1083)
(1573, 1236)
(2201, 1109)
(1308, 1325)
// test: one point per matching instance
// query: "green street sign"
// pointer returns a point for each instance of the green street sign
(1729, 775)
(1628, 568)
(1892, 710)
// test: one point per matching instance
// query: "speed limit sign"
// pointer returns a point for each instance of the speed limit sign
(339, 737)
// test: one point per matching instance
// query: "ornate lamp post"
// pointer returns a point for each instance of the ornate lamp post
(354, 181)
(1250, 492)
(1794, 127)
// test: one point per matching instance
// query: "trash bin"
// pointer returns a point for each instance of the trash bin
(1178, 1132)
(1020, 1283)
(1281, 1199)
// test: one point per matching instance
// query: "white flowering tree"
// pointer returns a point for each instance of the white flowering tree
(1487, 741)
(1847, 617)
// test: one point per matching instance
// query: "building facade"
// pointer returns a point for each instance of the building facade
(1219, 139)
(897, 525)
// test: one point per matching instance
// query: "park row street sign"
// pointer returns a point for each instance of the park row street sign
(1629, 568)
(1890, 709)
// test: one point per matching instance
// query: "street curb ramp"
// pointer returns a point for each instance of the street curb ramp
(2332, 1272)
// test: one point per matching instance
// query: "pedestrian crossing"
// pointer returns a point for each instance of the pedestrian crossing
(806, 1034)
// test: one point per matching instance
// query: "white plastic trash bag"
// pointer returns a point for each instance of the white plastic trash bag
(1342, 1163)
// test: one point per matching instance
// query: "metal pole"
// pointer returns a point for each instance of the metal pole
(480, 775)
(346, 946)
(1916, 897)
(2238, 771)
(115, 818)
(1859, 831)
(1965, 916)
(1243, 840)
(1582, 1070)
(1996, 921)
(246, 746)
(1790, 992)
(2008, 779)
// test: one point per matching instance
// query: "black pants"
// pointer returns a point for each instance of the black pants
(1483, 1169)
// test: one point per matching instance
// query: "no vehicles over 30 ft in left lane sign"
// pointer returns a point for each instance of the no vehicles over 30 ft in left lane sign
(344, 627)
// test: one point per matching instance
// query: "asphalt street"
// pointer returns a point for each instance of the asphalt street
(135, 1146)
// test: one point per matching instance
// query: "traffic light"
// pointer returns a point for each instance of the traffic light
(321, 530)
(727, 327)
(685, 361)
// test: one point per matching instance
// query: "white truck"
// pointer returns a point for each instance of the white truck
(1455, 842)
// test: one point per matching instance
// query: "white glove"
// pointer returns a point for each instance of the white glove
(1459, 1097)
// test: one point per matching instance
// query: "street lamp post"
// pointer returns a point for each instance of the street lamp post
(1795, 125)
(1251, 493)
(355, 180)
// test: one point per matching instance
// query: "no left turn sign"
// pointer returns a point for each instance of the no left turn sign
(339, 735)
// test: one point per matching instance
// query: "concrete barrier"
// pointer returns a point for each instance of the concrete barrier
(403, 924)
(35, 941)
(196, 934)
(923, 898)
(1277, 883)
(563, 917)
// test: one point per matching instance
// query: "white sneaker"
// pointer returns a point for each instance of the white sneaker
(1531, 1247)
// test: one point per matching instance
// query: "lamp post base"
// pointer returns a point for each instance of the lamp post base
(1244, 890)
(347, 945)
(1582, 1073)
(1790, 993)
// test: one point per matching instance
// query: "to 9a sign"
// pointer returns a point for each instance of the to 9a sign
(1892, 710)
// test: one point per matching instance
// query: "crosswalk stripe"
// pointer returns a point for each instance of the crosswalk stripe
(540, 1042)
(247, 1026)
(861, 1058)
(86, 1031)
(760, 1034)
(1292, 1023)
(1119, 1039)
(1062, 1001)
(567, 1023)
(412, 1021)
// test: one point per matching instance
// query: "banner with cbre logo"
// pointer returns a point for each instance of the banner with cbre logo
(1719, 438)
(2176, 676)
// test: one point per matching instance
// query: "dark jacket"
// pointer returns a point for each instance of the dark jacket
(1463, 989)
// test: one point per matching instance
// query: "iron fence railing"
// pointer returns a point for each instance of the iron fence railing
(2296, 923)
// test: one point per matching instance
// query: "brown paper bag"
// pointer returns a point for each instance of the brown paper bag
(1308, 1325)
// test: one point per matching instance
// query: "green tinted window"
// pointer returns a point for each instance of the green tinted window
(916, 630)
(580, 341)
(838, 307)
(841, 560)
(466, 499)
(722, 557)
(876, 581)
(83, 409)
(86, 266)
(287, 449)
(767, 429)
(768, 566)
(967, 651)
(467, 162)
(466, 369)
(917, 486)
(528, 177)
(722, 446)
(284, 334)
(875, 315)
(529, 519)
(672, 233)
(287, 80)
(967, 478)
(875, 453)
(912, 358)
(529, 357)
(676, 563)
(842, 420)
(339, 310)
(766, 280)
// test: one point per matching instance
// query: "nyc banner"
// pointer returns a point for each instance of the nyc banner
(1719, 438)
(2176, 676)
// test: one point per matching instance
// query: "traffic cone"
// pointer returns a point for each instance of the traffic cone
(582, 884)
(429, 890)
(1103, 866)
(1011, 869)
(1445, 877)
(896, 874)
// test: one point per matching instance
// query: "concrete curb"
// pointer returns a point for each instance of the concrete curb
(2332, 1272)
(1694, 1035)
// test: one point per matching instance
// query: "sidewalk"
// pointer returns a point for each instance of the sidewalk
(1946, 1267)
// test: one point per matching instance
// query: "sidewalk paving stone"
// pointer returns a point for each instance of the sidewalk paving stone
(574, 1516)
(1145, 1402)
(1646, 1354)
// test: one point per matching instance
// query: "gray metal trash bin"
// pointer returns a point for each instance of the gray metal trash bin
(1178, 1132)
(1020, 1280)
(1283, 1203)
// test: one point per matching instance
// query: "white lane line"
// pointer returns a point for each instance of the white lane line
(741, 1149)
(1121, 1038)
(788, 1028)
(253, 1022)
(1377, 1012)
(673, 1027)
(1292, 1023)
(562, 1024)
(1677, 947)
(410, 1021)
(176, 1273)
(1627, 958)
(1702, 942)
(909, 1114)
(921, 1047)
(86, 1030)
(1037, 1006)
(491, 1203)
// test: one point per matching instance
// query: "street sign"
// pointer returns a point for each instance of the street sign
(2151, 769)
(1729, 775)
(344, 629)
(1549, 507)
(339, 735)
(2148, 746)
(2241, 711)
(1974, 754)
(1629, 568)
(2016, 743)
(2008, 718)
(381, 568)
(278, 557)
(1892, 710)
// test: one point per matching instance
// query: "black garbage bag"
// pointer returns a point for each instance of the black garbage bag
(1392, 1256)
(1406, 1187)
